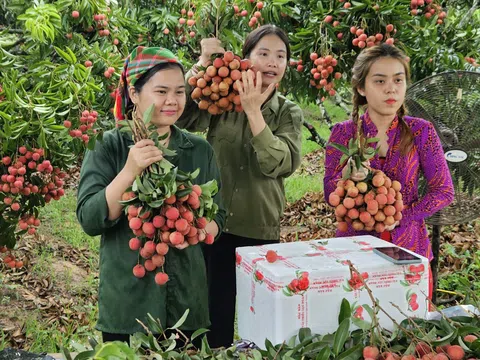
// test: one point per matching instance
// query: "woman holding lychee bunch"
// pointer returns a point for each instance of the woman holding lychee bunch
(256, 150)
(407, 147)
(150, 76)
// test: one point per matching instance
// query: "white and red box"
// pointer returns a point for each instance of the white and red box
(306, 285)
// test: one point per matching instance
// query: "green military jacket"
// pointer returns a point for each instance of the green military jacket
(252, 168)
(122, 298)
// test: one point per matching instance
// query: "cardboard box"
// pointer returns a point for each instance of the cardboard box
(305, 287)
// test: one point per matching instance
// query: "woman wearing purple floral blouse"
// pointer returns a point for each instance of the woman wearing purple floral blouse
(408, 146)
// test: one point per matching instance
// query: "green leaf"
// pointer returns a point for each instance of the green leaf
(351, 144)
(85, 355)
(210, 186)
(411, 349)
(140, 186)
(369, 311)
(303, 333)
(183, 192)
(462, 344)
(66, 354)
(468, 329)
(344, 159)
(161, 137)
(348, 172)
(64, 55)
(345, 311)
(446, 326)
(181, 176)
(353, 353)
(156, 204)
(446, 339)
(198, 333)
(109, 350)
(147, 115)
(153, 325)
(194, 174)
(270, 348)
(339, 147)
(462, 319)
(341, 336)
(324, 354)
(72, 55)
(147, 185)
(93, 342)
(69, 100)
(397, 348)
(181, 321)
(358, 163)
(166, 151)
(256, 354)
(314, 347)
(372, 140)
(362, 324)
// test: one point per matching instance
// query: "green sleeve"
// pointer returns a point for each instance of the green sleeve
(215, 172)
(279, 152)
(193, 119)
(97, 172)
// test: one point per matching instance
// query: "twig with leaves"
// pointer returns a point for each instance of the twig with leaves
(358, 153)
(376, 305)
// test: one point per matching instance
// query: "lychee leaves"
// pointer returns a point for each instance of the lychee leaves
(162, 179)
(359, 151)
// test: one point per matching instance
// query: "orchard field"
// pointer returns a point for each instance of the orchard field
(60, 62)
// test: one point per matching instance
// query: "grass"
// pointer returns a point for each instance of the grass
(59, 223)
(297, 185)
(49, 338)
(59, 220)
(43, 260)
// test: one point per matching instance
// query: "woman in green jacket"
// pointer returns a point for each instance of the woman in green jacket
(256, 150)
(150, 76)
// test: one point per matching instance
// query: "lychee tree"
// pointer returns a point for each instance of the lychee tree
(434, 34)
(56, 74)
(60, 63)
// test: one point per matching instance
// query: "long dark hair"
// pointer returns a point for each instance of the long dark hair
(361, 68)
(256, 35)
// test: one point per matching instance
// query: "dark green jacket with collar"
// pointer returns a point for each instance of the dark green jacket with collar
(122, 298)
(253, 168)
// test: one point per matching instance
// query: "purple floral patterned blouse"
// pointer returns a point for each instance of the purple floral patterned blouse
(426, 156)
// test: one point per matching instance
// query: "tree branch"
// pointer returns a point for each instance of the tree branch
(315, 135)
(13, 31)
(469, 14)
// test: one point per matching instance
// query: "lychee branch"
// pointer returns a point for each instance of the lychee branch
(376, 306)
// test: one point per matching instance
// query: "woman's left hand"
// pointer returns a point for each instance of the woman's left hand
(182, 246)
(251, 95)
(391, 227)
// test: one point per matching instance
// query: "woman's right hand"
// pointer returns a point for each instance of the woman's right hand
(209, 47)
(356, 175)
(143, 154)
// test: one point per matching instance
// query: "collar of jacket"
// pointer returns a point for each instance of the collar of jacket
(272, 105)
(370, 129)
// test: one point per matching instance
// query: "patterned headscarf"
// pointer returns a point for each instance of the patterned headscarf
(136, 64)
